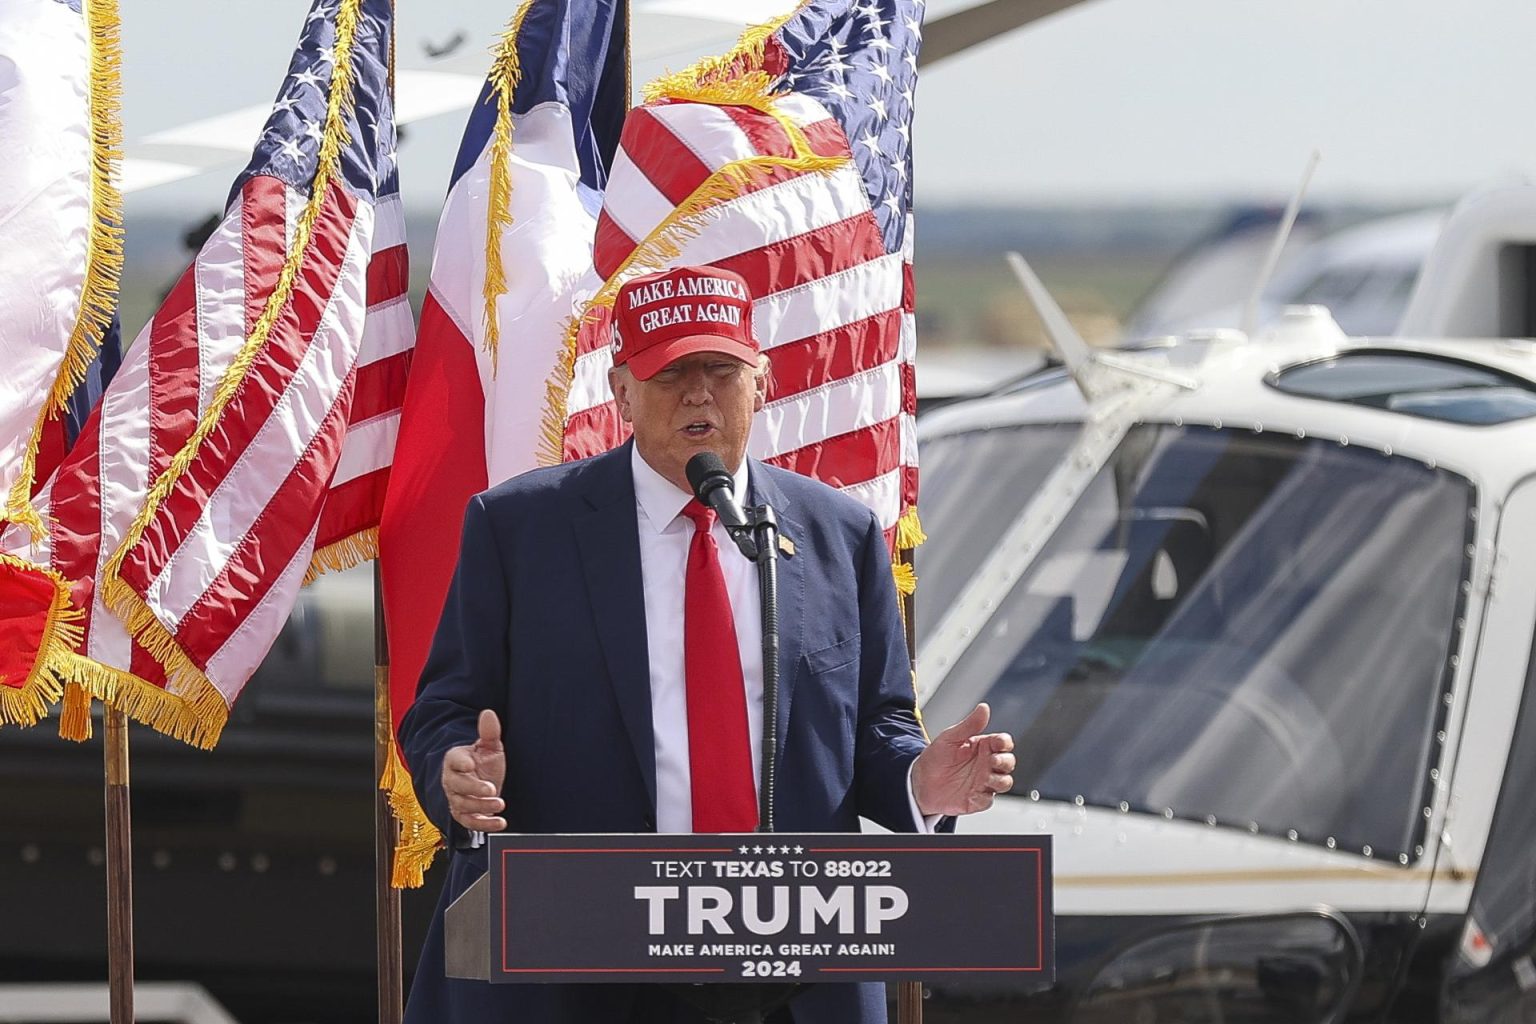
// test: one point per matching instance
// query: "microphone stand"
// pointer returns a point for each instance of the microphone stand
(758, 539)
(763, 528)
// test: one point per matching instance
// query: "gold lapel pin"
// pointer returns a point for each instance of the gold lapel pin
(786, 545)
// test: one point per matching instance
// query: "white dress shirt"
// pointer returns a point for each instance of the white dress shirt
(665, 536)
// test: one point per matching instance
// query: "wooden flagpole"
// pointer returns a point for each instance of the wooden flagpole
(119, 827)
(385, 830)
(391, 972)
(909, 994)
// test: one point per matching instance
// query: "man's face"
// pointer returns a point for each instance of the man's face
(698, 403)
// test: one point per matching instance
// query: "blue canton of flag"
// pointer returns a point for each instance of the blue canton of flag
(289, 148)
(859, 60)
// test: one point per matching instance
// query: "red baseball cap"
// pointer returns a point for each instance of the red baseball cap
(661, 317)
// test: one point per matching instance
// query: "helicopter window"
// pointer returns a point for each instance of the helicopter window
(1237, 627)
(1416, 385)
(973, 484)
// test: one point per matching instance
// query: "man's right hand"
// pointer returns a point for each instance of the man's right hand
(472, 778)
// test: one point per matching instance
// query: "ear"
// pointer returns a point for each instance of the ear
(759, 392)
(618, 383)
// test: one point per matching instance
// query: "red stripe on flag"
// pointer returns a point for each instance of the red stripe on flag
(380, 387)
(826, 138)
(804, 258)
(909, 389)
(256, 398)
(848, 458)
(667, 161)
(594, 431)
(439, 463)
(173, 374)
(833, 355)
(75, 511)
(763, 131)
(352, 507)
(279, 531)
(388, 275)
(263, 226)
(595, 332)
(611, 245)
(908, 487)
(908, 288)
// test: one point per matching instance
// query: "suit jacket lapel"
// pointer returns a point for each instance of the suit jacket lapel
(607, 535)
(792, 570)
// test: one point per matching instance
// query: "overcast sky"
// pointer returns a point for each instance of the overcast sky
(1117, 100)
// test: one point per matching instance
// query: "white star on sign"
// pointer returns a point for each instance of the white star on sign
(743, 849)
(757, 849)
(799, 849)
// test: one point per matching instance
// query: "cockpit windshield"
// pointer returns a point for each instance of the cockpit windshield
(1245, 629)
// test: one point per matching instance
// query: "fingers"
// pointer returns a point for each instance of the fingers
(473, 801)
(481, 822)
(489, 727)
(1002, 764)
(460, 783)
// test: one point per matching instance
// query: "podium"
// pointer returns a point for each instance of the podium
(736, 923)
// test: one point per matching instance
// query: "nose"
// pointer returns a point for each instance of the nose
(696, 387)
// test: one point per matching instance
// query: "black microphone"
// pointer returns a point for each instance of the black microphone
(714, 487)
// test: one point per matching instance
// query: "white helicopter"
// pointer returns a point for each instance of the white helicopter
(1259, 612)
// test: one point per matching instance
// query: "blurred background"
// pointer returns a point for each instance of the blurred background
(1137, 153)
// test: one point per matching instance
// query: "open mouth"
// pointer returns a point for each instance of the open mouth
(699, 428)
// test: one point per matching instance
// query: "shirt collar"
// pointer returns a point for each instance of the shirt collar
(661, 501)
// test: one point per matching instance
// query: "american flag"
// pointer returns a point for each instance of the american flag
(817, 174)
(245, 442)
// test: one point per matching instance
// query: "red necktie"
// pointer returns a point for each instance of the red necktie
(719, 752)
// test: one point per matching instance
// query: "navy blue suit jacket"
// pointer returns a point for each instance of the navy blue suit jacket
(545, 625)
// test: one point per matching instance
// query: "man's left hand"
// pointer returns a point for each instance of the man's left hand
(963, 769)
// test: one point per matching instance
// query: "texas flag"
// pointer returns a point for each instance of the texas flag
(511, 267)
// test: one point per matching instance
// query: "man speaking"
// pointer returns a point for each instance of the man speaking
(598, 665)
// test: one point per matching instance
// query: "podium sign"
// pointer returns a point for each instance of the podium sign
(765, 907)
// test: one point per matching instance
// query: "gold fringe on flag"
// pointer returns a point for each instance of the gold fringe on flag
(61, 636)
(190, 707)
(743, 58)
(75, 716)
(506, 72)
(909, 530)
(104, 246)
(419, 839)
(343, 555)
